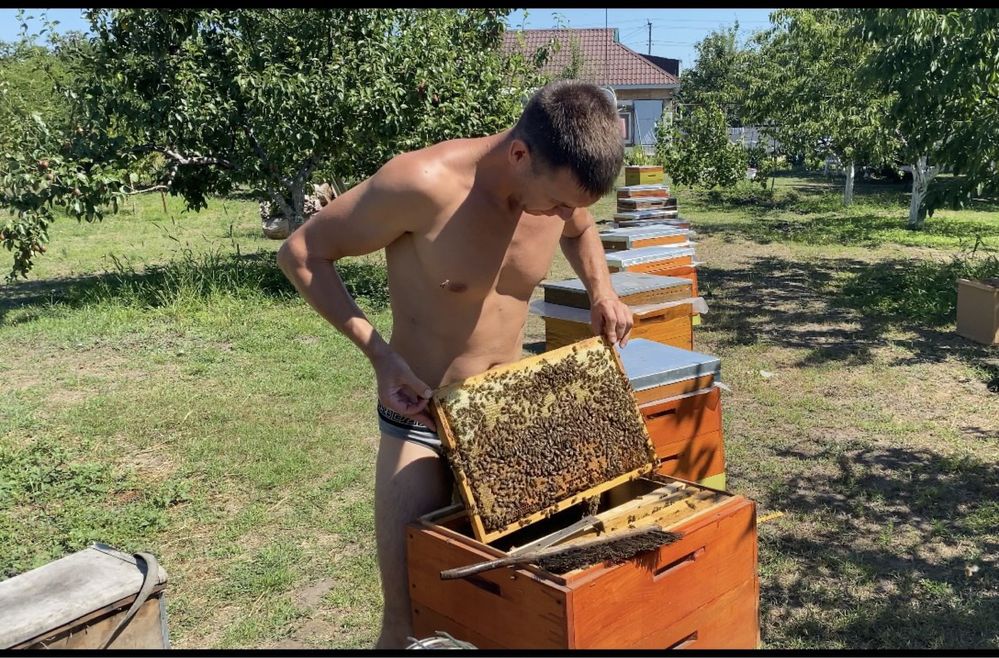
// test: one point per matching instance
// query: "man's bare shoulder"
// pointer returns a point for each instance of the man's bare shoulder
(432, 175)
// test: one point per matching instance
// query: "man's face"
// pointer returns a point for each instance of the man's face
(546, 191)
(554, 192)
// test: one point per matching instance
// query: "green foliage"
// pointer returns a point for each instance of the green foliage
(766, 160)
(269, 100)
(41, 162)
(223, 271)
(917, 291)
(803, 87)
(719, 75)
(636, 155)
(695, 150)
(940, 69)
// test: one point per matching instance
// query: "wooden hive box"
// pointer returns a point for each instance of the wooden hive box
(701, 591)
(678, 397)
(649, 214)
(631, 288)
(641, 203)
(621, 239)
(643, 191)
(644, 175)
(678, 222)
(668, 322)
(662, 260)
(77, 601)
(978, 310)
(634, 204)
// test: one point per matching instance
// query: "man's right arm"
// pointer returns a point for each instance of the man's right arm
(364, 219)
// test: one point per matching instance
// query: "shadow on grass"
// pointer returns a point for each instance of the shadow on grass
(840, 309)
(191, 276)
(893, 562)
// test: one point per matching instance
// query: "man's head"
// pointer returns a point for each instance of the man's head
(566, 147)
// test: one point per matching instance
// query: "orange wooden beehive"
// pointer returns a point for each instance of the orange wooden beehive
(662, 309)
(623, 239)
(678, 397)
(663, 260)
(701, 591)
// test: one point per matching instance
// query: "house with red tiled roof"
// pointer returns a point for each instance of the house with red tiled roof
(644, 90)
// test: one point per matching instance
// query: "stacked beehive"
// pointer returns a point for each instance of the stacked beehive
(536, 447)
(661, 308)
(647, 217)
(645, 199)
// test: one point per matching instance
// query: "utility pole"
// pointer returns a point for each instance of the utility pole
(650, 36)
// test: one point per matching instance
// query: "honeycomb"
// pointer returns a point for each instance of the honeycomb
(531, 436)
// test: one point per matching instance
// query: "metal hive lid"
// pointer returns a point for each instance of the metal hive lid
(647, 186)
(648, 363)
(624, 283)
(651, 213)
(630, 257)
(653, 231)
(659, 221)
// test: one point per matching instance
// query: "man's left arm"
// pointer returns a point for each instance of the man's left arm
(581, 245)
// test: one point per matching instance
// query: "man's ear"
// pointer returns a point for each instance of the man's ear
(519, 154)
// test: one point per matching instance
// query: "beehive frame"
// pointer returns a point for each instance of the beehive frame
(447, 398)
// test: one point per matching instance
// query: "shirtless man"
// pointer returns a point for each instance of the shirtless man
(469, 228)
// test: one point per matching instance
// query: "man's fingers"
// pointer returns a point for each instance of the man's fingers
(424, 417)
(418, 388)
(597, 322)
(623, 326)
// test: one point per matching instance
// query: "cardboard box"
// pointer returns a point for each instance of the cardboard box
(978, 310)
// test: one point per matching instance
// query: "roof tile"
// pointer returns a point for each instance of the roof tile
(605, 61)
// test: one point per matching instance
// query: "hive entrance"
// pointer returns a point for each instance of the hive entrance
(536, 436)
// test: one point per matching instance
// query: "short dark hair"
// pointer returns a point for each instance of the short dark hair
(568, 123)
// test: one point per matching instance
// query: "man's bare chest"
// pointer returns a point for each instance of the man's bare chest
(470, 256)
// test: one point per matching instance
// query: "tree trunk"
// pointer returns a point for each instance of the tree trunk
(921, 177)
(297, 205)
(848, 190)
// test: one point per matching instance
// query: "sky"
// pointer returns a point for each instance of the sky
(674, 31)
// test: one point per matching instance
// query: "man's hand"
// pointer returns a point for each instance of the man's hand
(612, 318)
(402, 391)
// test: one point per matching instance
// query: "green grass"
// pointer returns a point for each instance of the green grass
(810, 211)
(164, 389)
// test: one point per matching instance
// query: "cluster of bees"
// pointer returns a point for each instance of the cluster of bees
(529, 438)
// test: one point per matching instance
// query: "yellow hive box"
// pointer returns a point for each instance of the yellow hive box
(644, 175)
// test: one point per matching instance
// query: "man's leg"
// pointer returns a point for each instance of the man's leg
(410, 480)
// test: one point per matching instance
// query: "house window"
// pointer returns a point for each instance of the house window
(628, 116)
